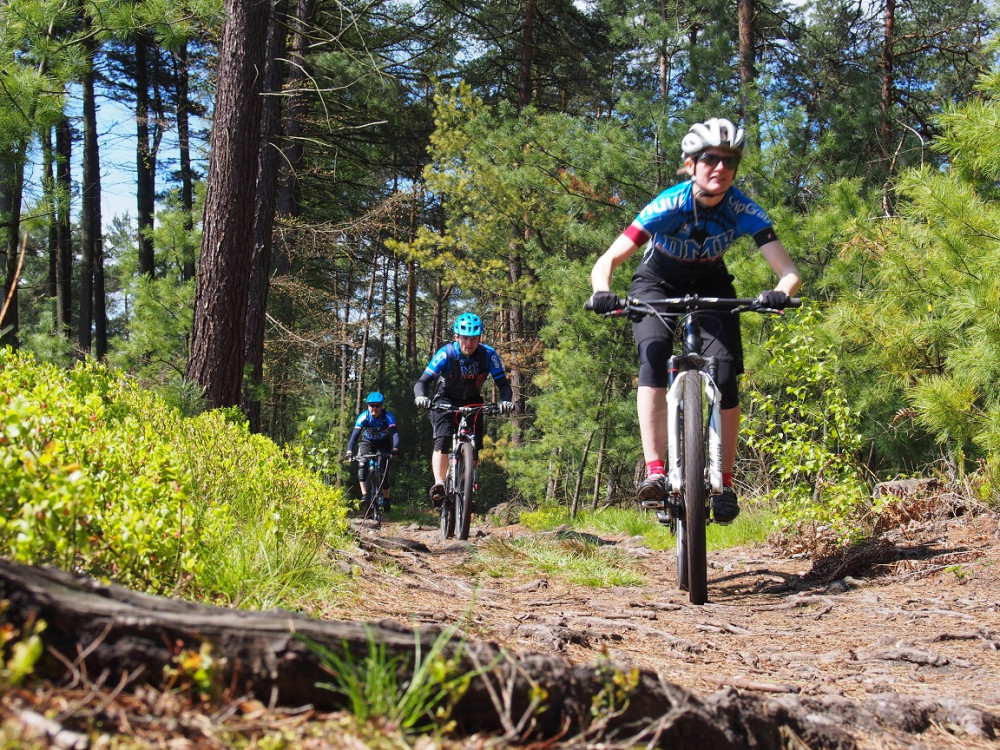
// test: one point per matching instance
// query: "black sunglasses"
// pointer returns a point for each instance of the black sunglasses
(712, 160)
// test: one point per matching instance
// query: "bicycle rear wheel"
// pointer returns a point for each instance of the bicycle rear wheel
(695, 494)
(465, 479)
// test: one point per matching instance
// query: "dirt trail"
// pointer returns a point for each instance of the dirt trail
(900, 642)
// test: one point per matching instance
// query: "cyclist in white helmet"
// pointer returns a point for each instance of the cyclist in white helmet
(686, 230)
(455, 375)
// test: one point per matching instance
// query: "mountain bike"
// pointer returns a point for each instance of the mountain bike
(694, 440)
(374, 501)
(463, 462)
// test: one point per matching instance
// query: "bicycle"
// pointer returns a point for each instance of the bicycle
(693, 427)
(374, 501)
(460, 484)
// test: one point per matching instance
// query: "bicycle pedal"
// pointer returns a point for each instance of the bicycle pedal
(651, 504)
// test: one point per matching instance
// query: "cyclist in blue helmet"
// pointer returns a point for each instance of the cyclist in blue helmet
(686, 230)
(376, 427)
(455, 375)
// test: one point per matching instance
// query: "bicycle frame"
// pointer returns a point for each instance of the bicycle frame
(463, 467)
(694, 443)
(376, 478)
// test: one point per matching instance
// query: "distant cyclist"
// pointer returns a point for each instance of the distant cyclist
(376, 427)
(456, 374)
(686, 230)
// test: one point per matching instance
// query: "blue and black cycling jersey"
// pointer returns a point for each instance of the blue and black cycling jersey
(374, 429)
(458, 378)
(687, 241)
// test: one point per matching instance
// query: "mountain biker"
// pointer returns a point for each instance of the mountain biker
(456, 373)
(376, 426)
(686, 230)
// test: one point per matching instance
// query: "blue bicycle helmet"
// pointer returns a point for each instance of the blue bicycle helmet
(468, 325)
(375, 398)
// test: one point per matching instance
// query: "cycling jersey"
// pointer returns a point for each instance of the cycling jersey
(687, 241)
(375, 429)
(459, 377)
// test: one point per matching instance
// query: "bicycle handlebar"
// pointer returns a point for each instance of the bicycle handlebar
(488, 409)
(631, 306)
(366, 456)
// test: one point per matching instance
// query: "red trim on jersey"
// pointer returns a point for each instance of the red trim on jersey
(637, 234)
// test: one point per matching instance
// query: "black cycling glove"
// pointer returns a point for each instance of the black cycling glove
(604, 302)
(773, 298)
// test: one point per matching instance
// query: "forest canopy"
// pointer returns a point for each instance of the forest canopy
(379, 168)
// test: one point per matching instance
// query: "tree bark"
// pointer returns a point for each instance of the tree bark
(267, 188)
(218, 336)
(527, 56)
(748, 73)
(181, 73)
(296, 110)
(888, 88)
(145, 159)
(64, 234)
(90, 211)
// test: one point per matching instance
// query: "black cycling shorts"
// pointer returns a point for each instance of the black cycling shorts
(720, 331)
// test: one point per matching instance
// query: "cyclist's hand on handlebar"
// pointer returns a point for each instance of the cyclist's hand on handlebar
(506, 407)
(422, 402)
(603, 303)
(394, 452)
(773, 298)
(349, 456)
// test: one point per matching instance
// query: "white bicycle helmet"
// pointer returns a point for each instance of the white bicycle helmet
(718, 132)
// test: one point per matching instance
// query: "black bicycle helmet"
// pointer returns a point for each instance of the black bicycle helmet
(468, 324)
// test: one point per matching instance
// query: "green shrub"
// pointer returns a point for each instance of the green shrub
(99, 476)
(808, 436)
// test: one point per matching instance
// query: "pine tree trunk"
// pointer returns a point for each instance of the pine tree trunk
(218, 335)
(748, 74)
(186, 175)
(144, 159)
(64, 234)
(90, 213)
(267, 186)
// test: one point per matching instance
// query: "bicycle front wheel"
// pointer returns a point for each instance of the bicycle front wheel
(695, 494)
(465, 480)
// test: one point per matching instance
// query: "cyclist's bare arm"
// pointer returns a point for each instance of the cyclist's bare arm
(621, 250)
(783, 266)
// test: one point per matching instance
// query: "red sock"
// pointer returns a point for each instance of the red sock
(727, 479)
(654, 467)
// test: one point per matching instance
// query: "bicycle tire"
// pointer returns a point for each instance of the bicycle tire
(695, 493)
(448, 509)
(376, 493)
(682, 559)
(465, 475)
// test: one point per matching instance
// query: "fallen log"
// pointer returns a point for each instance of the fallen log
(95, 628)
